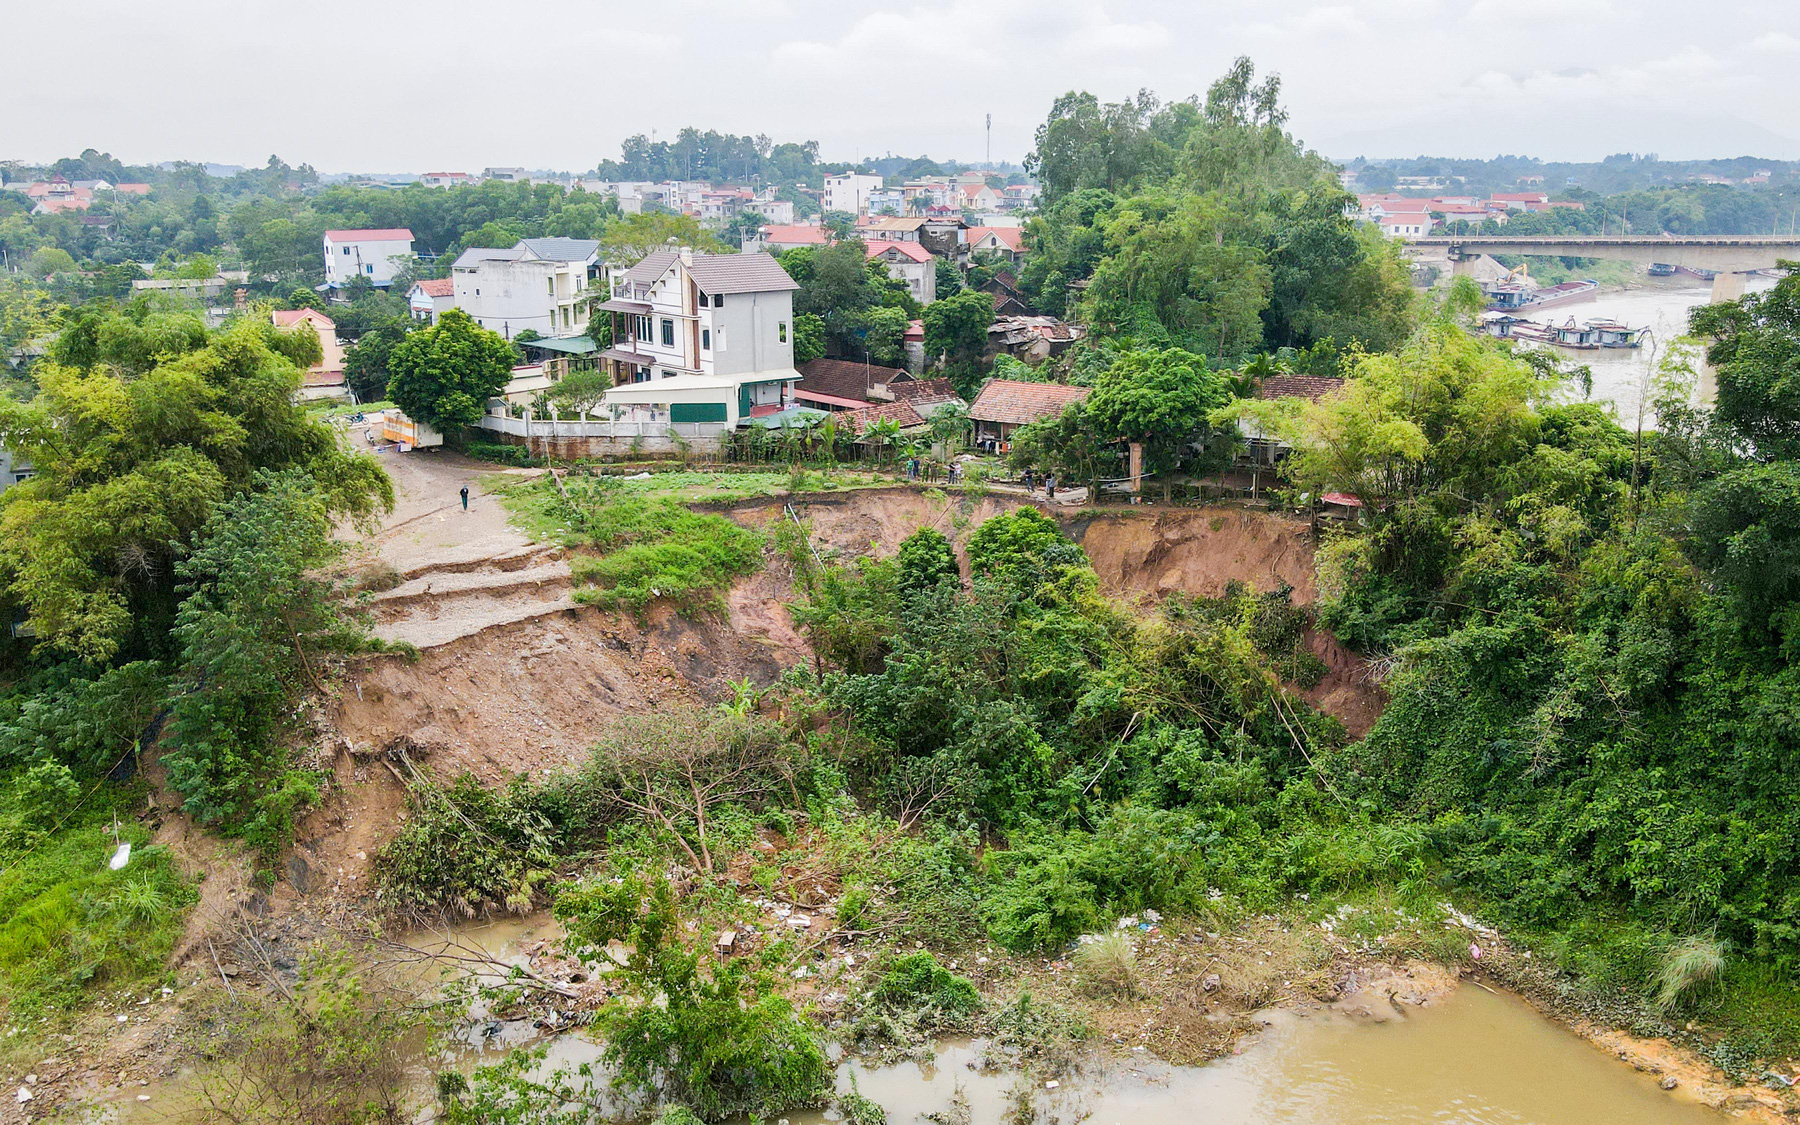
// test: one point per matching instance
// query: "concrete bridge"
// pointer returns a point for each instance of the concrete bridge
(1721, 253)
(1729, 256)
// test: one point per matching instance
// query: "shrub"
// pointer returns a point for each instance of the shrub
(467, 850)
(928, 995)
(724, 1044)
(1108, 967)
(1689, 966)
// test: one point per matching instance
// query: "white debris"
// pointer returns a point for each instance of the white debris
(24, 1095)
(120, 857)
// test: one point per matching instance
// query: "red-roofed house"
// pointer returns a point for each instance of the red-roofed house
(373, 254)
(1004, 405)
(908, 262)
(1008, 242)
(977, 197)
(325, 378)
(446, 179)
(788, 237)
(428, 300)
(1405, 224)
(1523, 200)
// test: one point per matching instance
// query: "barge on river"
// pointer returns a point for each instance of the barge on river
(1521, 294)
(1589, 335)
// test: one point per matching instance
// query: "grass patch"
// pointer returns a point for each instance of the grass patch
(660, 549)
(69, 925)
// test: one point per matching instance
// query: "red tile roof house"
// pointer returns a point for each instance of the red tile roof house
(1004, 405)
(845, 384)
(1008, 242)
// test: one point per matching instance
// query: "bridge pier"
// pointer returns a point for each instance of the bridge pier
(1727, 287)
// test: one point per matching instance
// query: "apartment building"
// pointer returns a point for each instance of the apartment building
(850, 192)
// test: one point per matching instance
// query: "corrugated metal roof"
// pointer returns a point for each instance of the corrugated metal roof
(561, 249)
(475, 255)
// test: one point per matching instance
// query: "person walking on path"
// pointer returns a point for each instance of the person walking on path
(465, 497)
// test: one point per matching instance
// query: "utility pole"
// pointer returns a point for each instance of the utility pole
(990, 142)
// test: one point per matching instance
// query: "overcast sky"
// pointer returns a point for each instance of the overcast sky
(398, 85)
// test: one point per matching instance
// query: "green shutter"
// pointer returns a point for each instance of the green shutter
(696, 412)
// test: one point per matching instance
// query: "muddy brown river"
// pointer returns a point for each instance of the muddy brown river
(1473, 1058)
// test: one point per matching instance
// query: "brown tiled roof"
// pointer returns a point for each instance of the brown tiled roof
(438, 287)
(719, 273)
(901, 412)
(1012, 402)
(923, 390)
(1314, 387)
(844, 378)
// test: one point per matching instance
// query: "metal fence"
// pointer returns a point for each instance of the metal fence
(599, 428)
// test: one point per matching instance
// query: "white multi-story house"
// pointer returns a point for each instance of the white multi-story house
(446, 179)
(540, 284)
(850, 192)
(428, 299)
(373, 254)
(779, 212)
(701, 338)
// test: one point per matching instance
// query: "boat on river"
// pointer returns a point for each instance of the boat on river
(1588, 335)
(1520, 294)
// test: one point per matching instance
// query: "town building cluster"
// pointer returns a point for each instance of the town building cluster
(1406, 216)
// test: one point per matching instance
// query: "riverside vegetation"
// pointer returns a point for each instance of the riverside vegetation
(1588, 636)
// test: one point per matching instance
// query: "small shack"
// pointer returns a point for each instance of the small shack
(1004, 405)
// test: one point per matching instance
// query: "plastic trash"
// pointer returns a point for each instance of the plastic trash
(120, 857)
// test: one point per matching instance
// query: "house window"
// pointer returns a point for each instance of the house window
(346, 251)
(703, 300)
(369, 268)
(550, 286)
(668, 333)
(719, 301)
(784, 331)
(706, 339)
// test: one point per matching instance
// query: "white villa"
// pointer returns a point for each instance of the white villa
(701, 338)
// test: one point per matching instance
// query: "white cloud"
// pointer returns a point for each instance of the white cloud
(1775, 43)
(868, 76)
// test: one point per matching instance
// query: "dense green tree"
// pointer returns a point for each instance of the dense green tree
(444, 375)
(366, 362)
(134, 452)
(956, 336)
(1756, 350)
(809, 337)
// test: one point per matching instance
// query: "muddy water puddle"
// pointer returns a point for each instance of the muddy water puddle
(1473, 1058)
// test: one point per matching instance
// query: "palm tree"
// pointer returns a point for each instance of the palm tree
(882, 433)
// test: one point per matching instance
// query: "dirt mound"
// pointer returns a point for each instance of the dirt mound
(532, 695)
(1197, 551)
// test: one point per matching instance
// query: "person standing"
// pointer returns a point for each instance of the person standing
(465, 497)
(1050, 486)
